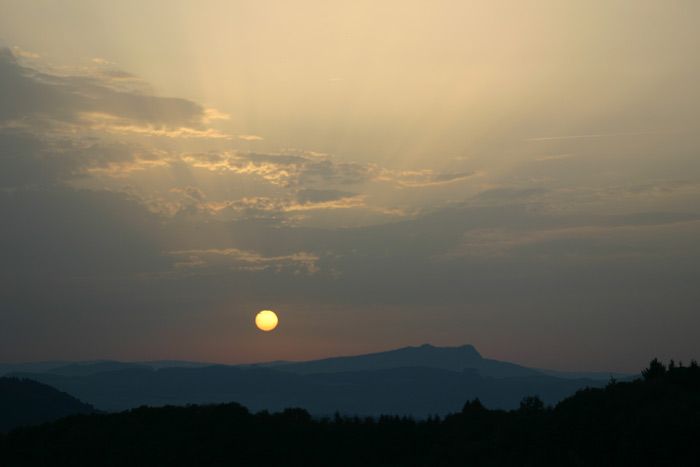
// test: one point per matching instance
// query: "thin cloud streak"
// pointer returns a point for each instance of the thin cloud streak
(553, 157)
(602, 135)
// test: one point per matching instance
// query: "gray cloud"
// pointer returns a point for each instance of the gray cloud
(30, 94)
(310, 195)
(56, 128)
(421, 178)
(511, 194)
(206, 261)
(450, 177)
(287, 170)
(462, 256)
(28, 159)
(193, 193)
(60, 231)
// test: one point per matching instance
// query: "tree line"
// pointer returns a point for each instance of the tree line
(652, 421)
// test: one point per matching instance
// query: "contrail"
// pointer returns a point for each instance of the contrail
(599, 135)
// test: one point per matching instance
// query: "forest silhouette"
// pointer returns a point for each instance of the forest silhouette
(652, 421)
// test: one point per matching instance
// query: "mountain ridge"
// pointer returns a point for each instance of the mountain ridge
(416, 381)
(426, 355)
(28, 402)
(450, 358)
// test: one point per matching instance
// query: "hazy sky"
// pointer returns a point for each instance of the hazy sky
(520, 176)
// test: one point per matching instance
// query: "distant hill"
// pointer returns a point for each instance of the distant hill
(91, 368)
(28, 402)
(426, 355)
(416, 391)
(416, 381)
(32, 367)
(62, 367)
(445, 358)
(599, 375)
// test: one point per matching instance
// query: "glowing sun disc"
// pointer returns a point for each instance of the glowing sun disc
(266, 320)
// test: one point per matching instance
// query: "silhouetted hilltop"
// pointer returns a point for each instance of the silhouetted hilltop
(132, 387)
(63, 367)
(90, 368)
(446, 358)
(27, 402)
(651, 421)
(31, 367)
(158, 364)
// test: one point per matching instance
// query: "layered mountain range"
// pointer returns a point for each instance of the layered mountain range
(415, 381)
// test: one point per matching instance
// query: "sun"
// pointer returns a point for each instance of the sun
(266, 320)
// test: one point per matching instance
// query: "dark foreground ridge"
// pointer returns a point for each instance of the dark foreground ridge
(27, 402)
(652, 421)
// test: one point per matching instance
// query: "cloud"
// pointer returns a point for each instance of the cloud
(115, 78)
(256, 206)
(24, 53)
(597, 135)
(651, 188)
(553, 157)
(422, 178)
(572, 199)
(310, 195)
(250, 137)
(287, 170)
(31, 97)
(56, 127)
(116, 126)
(60, 232)
(511, 194)
(192, 193)
(199, 261)
(213, 114)
(30, 160)
(281, 208)
(562, 200)
(342, 203)
(608, 239)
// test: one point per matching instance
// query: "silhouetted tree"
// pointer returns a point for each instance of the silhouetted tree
(473, 406)
(531, 404)
(656, 370)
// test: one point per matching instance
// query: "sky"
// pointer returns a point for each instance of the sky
(519, 176)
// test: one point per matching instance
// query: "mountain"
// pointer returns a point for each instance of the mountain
(158, 364)
(417, 381)
(32, 367)
(598, 375)
(27, 402)
(446, 358)
(90, 368)
(417, 391)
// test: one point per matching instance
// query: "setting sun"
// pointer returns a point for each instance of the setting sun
(266, 320)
